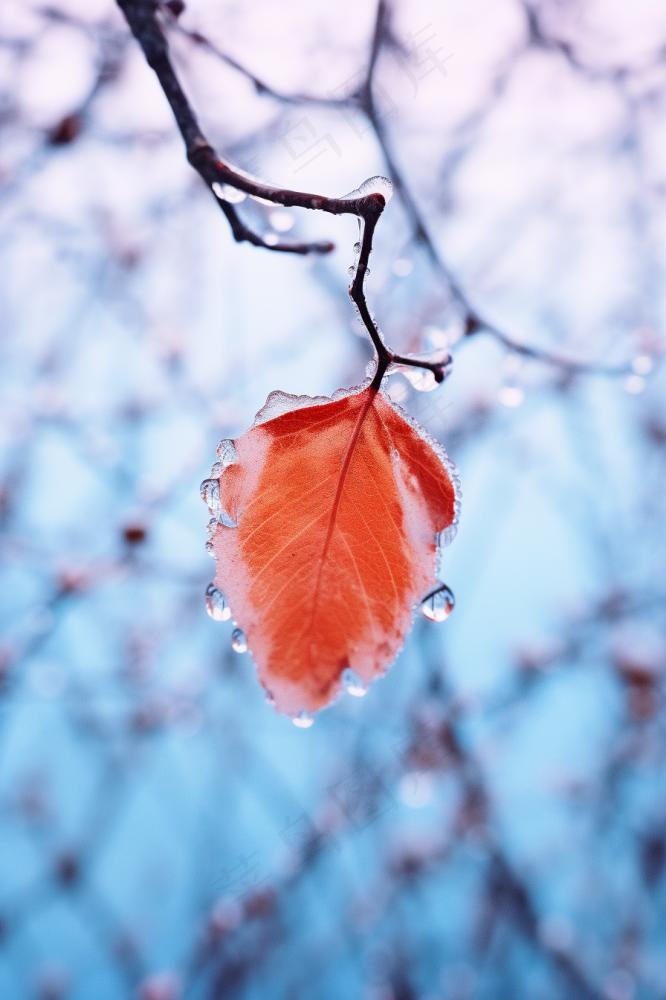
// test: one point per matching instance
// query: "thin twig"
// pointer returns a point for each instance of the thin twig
(143, 19)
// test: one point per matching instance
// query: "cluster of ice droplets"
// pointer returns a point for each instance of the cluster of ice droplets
(438, 604)
(210, 488)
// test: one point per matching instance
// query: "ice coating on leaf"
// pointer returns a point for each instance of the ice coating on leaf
(279, 402)
(284, 402)
(446, 536)
(226, 452)
(339, 504)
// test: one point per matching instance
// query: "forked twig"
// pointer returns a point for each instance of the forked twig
(143, 19)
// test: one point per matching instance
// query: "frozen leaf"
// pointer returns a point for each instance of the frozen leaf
(337, 505)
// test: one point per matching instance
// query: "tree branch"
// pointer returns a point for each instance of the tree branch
(363, 98)
(142, 17)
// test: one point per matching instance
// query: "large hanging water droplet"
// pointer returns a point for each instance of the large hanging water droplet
(238, 641)
(303, 720)
(353, 684)
(225, 192)
(438, 604)
(216, 604)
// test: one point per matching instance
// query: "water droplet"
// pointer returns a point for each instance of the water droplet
(225, 192)
(642, 364)
(303, 720)
(357, 247)
(271, 239)
(216, 605)
(402, 267)
(444, 337)
(269, 697)
(511, 395)
(226, 452)
(210, 494)
(351, 270)
(438, 604)
(634, 384)
(238, 641)
(353, 684)
(281, 221)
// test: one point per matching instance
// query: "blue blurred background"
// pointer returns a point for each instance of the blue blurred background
(490, 821)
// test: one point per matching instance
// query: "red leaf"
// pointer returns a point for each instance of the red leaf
(338, 504)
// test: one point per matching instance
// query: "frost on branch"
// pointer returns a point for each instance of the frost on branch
(327, 518)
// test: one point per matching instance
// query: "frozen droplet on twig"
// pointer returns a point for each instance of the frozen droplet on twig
(216, 604)
(438, 604)
(373, 185)
(225, 192)
(438, 364)
(421, 379)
